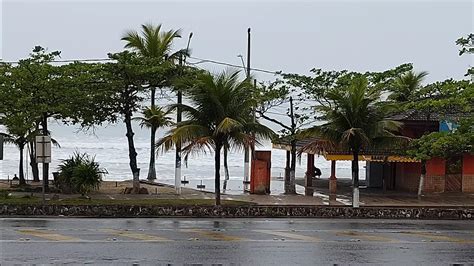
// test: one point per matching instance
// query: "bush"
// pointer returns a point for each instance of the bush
(80, 174)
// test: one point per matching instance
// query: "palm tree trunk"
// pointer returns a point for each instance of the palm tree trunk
(226, 169)
(20, 169)
(355, 179)
(33, 163)
(217, 183)
(132, 153)
(290, 187)
(422, 178)
(153, 92)
(151, 168)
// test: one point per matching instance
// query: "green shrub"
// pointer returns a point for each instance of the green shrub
(80, 174)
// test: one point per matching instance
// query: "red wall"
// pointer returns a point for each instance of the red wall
(436, 167)
(468, 164)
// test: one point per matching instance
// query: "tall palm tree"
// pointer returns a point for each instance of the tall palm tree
(156, 44)
(405, 85)
(355, 121)
(153, 43)
(153, 118)
(219, 114)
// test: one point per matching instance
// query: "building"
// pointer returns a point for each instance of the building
(388, 168)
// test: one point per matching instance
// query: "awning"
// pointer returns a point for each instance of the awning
(370, 158)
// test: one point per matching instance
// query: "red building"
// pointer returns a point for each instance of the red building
(388, 169)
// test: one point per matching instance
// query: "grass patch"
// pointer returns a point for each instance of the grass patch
(136, 202)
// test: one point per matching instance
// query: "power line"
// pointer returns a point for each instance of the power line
(68, 60)
(201, 61)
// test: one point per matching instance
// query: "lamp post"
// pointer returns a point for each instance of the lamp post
(247, 152)
(177, 172)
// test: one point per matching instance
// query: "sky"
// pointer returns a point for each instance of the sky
(289, 36)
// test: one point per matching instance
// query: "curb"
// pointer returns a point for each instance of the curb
(245, 211)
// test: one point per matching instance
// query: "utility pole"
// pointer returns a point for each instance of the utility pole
(247, 153)
(177, 172)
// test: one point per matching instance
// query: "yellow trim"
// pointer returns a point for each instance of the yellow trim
(214, 235)
(134, 235)
(342, 157)
(47, 235)
(370, 158)
(289, 235)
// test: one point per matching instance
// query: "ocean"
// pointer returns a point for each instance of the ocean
(109, 146)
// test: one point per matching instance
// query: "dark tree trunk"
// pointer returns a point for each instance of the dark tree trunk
(355, 179)
(132, 154)
(151, 167)
(33, 163)
(153, 92)
(287, 168)
(44, 125)
(217, 184)
(20, 169)
(226, 170)
(290, 187)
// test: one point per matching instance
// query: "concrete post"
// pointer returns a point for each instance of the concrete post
(308, 188)
(333, 182)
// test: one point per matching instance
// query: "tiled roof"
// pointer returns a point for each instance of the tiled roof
(416, 115)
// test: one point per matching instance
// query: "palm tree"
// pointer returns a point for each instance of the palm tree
(19, 140)
(155, 44)
(405, 85)
(153, 117)
(355, 121)
(219, 114)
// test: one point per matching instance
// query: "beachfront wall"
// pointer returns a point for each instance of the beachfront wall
(407, 177)
(468, 173)
(435, 175)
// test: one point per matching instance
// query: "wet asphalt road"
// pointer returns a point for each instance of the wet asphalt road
(234, 241)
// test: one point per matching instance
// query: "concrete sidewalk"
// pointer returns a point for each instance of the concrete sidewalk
(368, 197)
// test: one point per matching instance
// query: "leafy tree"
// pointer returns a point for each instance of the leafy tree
(39, 90)
(157, 44)
(154, 118)
(354, 122)
(123, 86)
(466, 45)
(220, 112)
(276, 95)
(444, 144)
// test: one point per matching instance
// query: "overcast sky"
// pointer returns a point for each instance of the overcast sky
(288, 36)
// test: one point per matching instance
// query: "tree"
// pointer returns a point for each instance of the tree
(447, 100)
(157, 44)
(466, 45)
(35, 90)
(123, 86)
(354, 122)
(153, 118)
(220, 112)
(406, 85)
(19, 133)
(276, 95)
